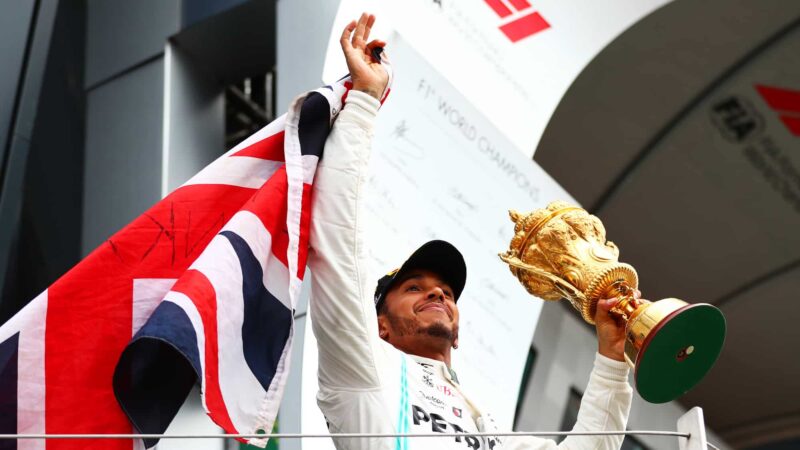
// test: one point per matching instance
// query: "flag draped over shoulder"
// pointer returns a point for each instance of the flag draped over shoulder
(199, 288)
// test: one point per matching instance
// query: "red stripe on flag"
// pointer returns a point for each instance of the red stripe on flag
(792, 123)
(269, 204)
(520, 4)
(499, 7)
(305, 229)
(89, 322)
(196, 286)
(270, 148)
(89, 315)
(524, 26)
(780, 99)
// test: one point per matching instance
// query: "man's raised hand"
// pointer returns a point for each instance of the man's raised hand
(366, 72)
(610, 330)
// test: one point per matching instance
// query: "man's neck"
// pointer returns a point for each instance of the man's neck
(435, 352)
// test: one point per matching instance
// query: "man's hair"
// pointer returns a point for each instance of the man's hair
(382, 307)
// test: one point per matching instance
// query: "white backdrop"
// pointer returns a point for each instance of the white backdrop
(517, 85)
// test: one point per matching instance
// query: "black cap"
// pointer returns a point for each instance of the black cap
(440, 257)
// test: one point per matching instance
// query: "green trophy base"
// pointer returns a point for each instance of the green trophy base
(678, 352)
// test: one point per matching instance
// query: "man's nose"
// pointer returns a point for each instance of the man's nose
(436, 293)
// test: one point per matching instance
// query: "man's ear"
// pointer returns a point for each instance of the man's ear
(383, 327)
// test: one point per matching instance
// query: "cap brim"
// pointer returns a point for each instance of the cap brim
(439, 257)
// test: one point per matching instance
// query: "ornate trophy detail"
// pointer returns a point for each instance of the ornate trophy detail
(561, 252)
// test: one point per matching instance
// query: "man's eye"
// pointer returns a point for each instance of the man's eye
(448, 294)
(413, 287)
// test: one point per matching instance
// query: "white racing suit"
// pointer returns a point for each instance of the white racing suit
(365, 384)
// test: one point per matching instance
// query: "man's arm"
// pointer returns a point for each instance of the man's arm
(607, 401)
(343, 315)
(604, 407)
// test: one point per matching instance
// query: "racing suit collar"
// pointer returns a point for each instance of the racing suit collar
(447, 372)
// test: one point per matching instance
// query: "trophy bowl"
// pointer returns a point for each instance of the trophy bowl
(561, 252)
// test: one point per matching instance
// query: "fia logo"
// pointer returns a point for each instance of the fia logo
(520, 20)
(736, 119)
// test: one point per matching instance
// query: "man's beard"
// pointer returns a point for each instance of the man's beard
(407, 327)
(438, 330)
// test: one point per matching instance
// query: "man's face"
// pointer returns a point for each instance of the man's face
(420, 307)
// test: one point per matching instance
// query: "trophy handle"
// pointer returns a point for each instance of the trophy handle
(566, 289)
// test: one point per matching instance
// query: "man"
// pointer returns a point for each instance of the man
(384, 358)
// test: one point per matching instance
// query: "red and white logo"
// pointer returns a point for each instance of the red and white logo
(520, 19)
(786, 103)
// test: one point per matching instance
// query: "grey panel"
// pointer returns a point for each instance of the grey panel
(14, 165)
(15, 20)
(301, 47)
(192, 419)
(234, 44)
(123, 33)
(51, 193)
(196, 119)
(196, 10)
(122, 174)
(290, 413)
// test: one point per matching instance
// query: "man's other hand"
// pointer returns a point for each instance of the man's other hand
(610, 330)
(366, 72)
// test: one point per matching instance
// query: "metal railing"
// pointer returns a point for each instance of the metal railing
(691, 430)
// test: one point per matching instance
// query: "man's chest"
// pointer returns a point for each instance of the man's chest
(437, 406)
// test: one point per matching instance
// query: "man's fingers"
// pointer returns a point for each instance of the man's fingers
(368, 28)
(358, 36)
(345, 39)
(606, 304)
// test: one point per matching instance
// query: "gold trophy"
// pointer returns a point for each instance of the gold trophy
(561, 251)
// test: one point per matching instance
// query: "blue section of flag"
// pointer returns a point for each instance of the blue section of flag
(170, 323)
(157, 370)
(9, 351)
(314, 124)
(267, 322)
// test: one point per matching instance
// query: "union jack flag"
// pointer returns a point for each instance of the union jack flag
(201, 287)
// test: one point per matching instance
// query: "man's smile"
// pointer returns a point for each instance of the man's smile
(436, 306)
